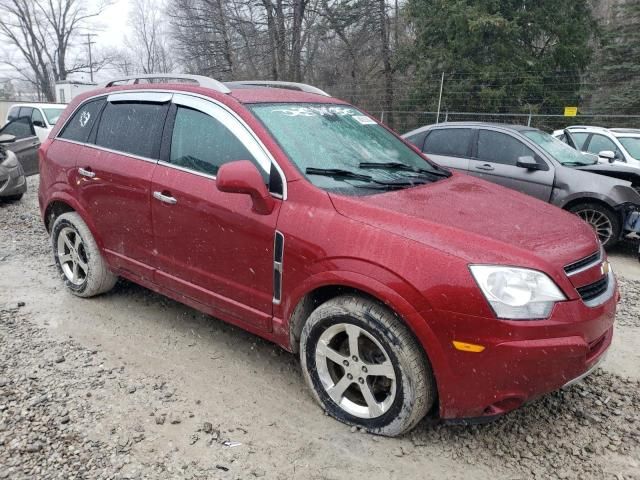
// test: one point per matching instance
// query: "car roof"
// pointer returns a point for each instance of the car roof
(616, 132)
(243, 94)
(503, 126)
(39, 105)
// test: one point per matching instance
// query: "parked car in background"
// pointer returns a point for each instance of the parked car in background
(535, 163)
(617, 144)
(20, 137)
(406, 288)
(43, 115)
(13, 183)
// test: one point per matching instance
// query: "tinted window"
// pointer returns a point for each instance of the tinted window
(20, 128)
(132, 127)
(417, 139)
(36, 116)
(449, 141)
(13, 113)
(599, 143)
(81, 123)
(25, 111)
(499, 147)
(202, 143)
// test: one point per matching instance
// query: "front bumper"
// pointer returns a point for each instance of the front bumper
(12, 181)
(522, 360)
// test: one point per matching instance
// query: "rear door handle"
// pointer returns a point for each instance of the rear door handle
(86, 172)
(164, 198)
(485, 166)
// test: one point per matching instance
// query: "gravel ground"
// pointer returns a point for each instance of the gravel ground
(87, 392)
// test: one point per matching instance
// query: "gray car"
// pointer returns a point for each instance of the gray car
(18, 157)
(533, 162)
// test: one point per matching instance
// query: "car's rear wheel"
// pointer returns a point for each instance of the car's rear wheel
(78, 258)
(603, 220)
(364, 366)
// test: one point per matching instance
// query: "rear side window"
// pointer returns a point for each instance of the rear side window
(202, 143)
(37, 118)
(13, 113)
(453, 142)
(499, 147)
(79, 126)
(132, 127)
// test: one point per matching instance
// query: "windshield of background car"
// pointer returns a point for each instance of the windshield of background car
(342, 138)
(559, 150)
(52, 114)
(632, 145)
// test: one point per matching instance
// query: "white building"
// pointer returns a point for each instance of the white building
(67, 89)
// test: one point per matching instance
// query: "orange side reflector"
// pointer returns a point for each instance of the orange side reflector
(467, 347)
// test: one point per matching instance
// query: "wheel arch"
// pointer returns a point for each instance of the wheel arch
(64, 203)
(356, 284)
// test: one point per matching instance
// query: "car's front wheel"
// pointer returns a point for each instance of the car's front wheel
(78, 258)
(603, 220)
(364, 366)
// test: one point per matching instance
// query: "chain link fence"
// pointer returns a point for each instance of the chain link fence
(404, 121)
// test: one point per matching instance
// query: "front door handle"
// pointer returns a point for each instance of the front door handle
(485, 166)
(86, 172)
(164, 198)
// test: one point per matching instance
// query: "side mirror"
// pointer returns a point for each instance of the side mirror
(528, 162)
(607, 155)
(39, 123)
(7, 138)
(242, 176)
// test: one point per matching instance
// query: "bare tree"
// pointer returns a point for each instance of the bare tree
(147, 41)
(43, 31)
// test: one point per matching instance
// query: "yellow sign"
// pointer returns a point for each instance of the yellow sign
(570, 111)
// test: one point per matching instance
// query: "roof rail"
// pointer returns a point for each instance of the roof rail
(303, 87)
(585, 126)
(202, 81)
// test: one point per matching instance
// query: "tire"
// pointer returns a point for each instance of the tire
(12, 198)
(78, 258)
(603, 220)
(403, 392)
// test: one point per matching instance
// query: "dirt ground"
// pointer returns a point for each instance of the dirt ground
(133, 385)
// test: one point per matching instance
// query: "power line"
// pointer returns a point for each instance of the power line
(88, 44)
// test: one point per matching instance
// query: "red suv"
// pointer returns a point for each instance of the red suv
(406, 288)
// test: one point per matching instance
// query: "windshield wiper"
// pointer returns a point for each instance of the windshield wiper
(347, 174)
(404, 167)
(338, 172)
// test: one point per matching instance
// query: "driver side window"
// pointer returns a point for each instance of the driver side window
(202, 143)
(496, 147)
(599, 143)
(20, 128)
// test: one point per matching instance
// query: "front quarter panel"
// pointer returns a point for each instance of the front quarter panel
(572, 184)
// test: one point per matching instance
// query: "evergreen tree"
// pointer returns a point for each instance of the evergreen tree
(499, 55)
(616, 72)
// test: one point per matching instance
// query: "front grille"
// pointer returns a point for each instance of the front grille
(575, 266)
(593, 290)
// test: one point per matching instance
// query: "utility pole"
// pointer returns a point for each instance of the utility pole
(88, 44)
(440, 98)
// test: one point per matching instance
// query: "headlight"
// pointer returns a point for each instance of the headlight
(517, 293)
(10, 162)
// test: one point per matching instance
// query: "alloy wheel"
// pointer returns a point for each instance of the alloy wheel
(355, 370)
(599, 222)
(72, 256)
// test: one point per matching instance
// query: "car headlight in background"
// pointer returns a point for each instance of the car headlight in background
(517, 293)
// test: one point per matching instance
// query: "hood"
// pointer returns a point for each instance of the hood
(477, 221)
(615, 170)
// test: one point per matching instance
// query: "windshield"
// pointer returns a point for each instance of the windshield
(632, 145)
(339, 148)
(559, 150)
(52, 114)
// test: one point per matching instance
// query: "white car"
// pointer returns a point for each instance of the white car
(623, 143)
(43, 116)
